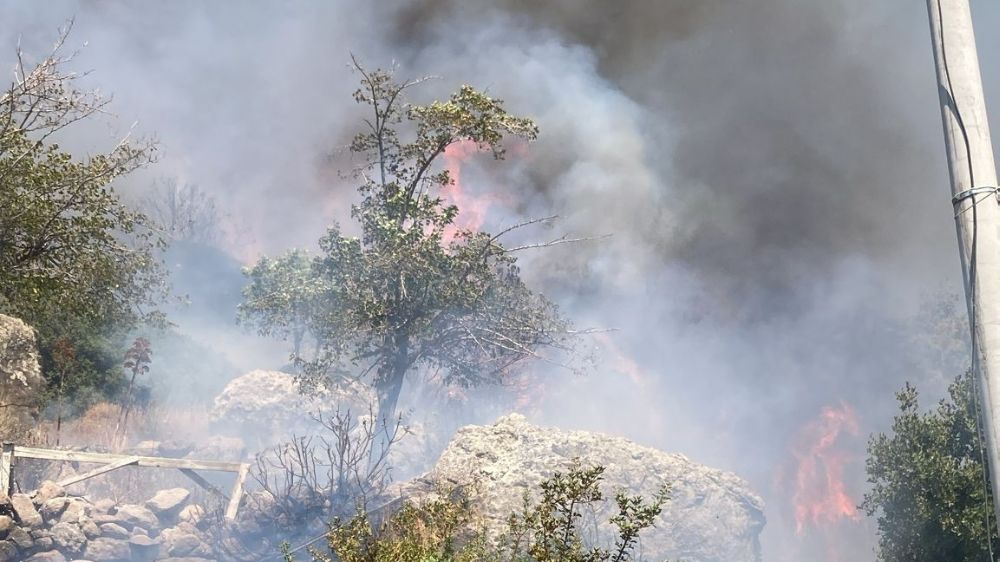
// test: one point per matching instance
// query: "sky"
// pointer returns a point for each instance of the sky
(770, 173)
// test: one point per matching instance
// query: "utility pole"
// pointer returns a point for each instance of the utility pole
(976, 203)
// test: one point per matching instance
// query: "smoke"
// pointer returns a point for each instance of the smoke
(770, 173)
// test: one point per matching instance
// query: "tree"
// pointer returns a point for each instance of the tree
(283, 298)
(183, 212)
(407, 293)
(929, 489)
(68, 246)
(75, 262)
(137, 360)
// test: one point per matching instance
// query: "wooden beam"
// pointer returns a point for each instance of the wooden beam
(199, 480)
(7, 468)
(237, 495)
(99, 471)
(113, 462)
(105, 458)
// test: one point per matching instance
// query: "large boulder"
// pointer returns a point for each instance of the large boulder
(21, 381)
(712, 515)
(268, 405)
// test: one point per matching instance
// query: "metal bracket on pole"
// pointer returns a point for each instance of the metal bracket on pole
(986, 189)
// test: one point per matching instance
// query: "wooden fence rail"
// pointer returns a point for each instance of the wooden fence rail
(110, 462)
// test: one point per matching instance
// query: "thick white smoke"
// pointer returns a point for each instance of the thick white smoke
(770, 171)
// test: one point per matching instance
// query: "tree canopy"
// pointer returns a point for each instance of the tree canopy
(68, 245)
(412, 291)
(283, 298)
(75, 261)
(929, 490)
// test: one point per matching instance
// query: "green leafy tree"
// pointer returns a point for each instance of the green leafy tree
(283, 298)
(75, 262)
(929, 489)
(409, 292)
(68, 246)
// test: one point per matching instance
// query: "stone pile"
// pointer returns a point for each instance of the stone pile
(51, 526)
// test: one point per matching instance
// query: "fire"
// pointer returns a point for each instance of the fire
(820, 495)
(621, 362)
(472, 208)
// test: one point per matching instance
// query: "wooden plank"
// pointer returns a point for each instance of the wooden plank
(237, 495)
(199, 480)
(99, 471)
(7, 468)
(105, 458)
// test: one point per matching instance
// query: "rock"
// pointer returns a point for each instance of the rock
(21, 538)
(180, 542)
(105, 505)
(102, 518)
(40, 533)
(76, 509)
(53, 508)
(108, 550)
(168, 503)
(6, 508)
(144, 548)
(45, 543)
(186, 559)
(193, 514)
(89, 528)
(147, 449)
(68, 537)
(114, 531)
(25, 511)
(219, 448)
(269, 406)
(131, 515)
(712, 515)
(6, 524)
(8, 551)
(175, 449)
(21, 379)
(143, 540)
(50, 556)
(47, 491)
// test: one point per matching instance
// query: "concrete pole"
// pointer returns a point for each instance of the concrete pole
(976, 203)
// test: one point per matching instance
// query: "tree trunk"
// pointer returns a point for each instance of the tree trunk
(388, 396)
(297, 334)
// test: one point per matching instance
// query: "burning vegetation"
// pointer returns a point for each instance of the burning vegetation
(354, 417)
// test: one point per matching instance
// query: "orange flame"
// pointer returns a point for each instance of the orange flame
(820, 495)
(622, 363)
(472, 208)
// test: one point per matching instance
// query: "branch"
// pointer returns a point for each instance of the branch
(561, 240)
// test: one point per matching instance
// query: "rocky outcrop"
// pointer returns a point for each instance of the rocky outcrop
(712, 515)
(269, 406)
(21, 379)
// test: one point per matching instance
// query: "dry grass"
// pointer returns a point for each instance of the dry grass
(95, 430)
(98, 428)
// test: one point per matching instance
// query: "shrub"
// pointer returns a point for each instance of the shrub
(445, 530)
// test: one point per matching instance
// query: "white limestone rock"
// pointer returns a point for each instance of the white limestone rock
(712, 516)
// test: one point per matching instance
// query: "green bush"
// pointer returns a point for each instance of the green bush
(929, 491)
(445, 530)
